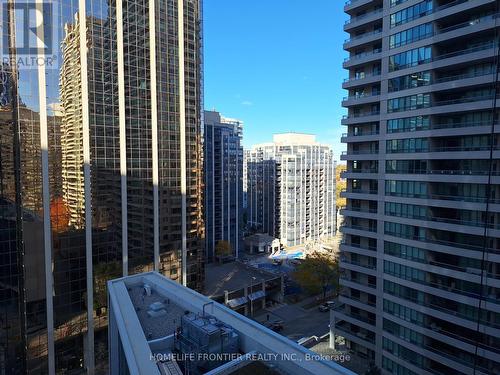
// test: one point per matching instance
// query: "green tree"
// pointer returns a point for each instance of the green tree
(223, 249)
(318, 273)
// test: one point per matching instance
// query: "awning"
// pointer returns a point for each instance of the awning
(237, 302)
(256, 295)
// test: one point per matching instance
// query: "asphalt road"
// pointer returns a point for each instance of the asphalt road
(299, 322)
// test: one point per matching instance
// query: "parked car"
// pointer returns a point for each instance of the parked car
(324, 307)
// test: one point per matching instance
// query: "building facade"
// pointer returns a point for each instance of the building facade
(100, 169)
(291, 189)
(223, 173)
(420, 266)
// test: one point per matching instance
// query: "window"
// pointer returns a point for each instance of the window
(410, 81)
(408, 124)
(411, 35)
(404, 231)
(411, 211)
(409, 103)
(407, 145)
(412, 189)
(410, 58)
(411, 13)
(406, 166)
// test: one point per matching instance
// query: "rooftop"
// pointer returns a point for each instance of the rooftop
(232, 276)
(258, 349)
(159, 316)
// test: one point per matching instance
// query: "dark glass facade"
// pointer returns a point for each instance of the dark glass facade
(100, 161)
(223, 171)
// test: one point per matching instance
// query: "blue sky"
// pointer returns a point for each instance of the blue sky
(277, 66)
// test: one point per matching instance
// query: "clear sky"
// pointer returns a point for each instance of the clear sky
(277, 66)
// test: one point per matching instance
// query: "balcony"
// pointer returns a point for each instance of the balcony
(342, 309)
(363, 18)
(361, 79)
(367, 37)
(360, 99)
(362, 58)
(359, 264)
(362, 334)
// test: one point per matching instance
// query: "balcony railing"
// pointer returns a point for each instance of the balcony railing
(358, 246)
(360, 134)
(359, 264)
(358, 227)
(366, 75)
(361, 96)
(359, 209)
(366, 302)
(358, 37)
(364, 54)
(360, 191)
(358, 281)
(360, 17)
(362, 114)
(362, 170)
(357, 316)
(360, 152)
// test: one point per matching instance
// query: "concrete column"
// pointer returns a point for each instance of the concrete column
(282, 289)
(226, 297)
(332, 330)
(246, 295)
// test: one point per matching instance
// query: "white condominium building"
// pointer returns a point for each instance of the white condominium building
(291, 188)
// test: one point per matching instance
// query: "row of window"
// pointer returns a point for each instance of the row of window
(417, 123)
(395, 368)
(409, 103)
(414, 189)
(408, 124)
(424, 256)
(404, 272)
(404, 333)
(404, 231)
(402, 352)
(411, 13)
(407, 145)
(411, 211)
(410, 58)
(406, 166)
(410, 81)
(403, 312)
(411, 35)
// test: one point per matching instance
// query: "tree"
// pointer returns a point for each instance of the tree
(318, 273)
(340, 185)
(223, 249)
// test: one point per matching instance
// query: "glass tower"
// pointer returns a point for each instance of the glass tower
(100, 168)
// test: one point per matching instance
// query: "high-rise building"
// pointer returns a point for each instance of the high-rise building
(100, 169)
(421, 241)
(291, 189)
(223, 173)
